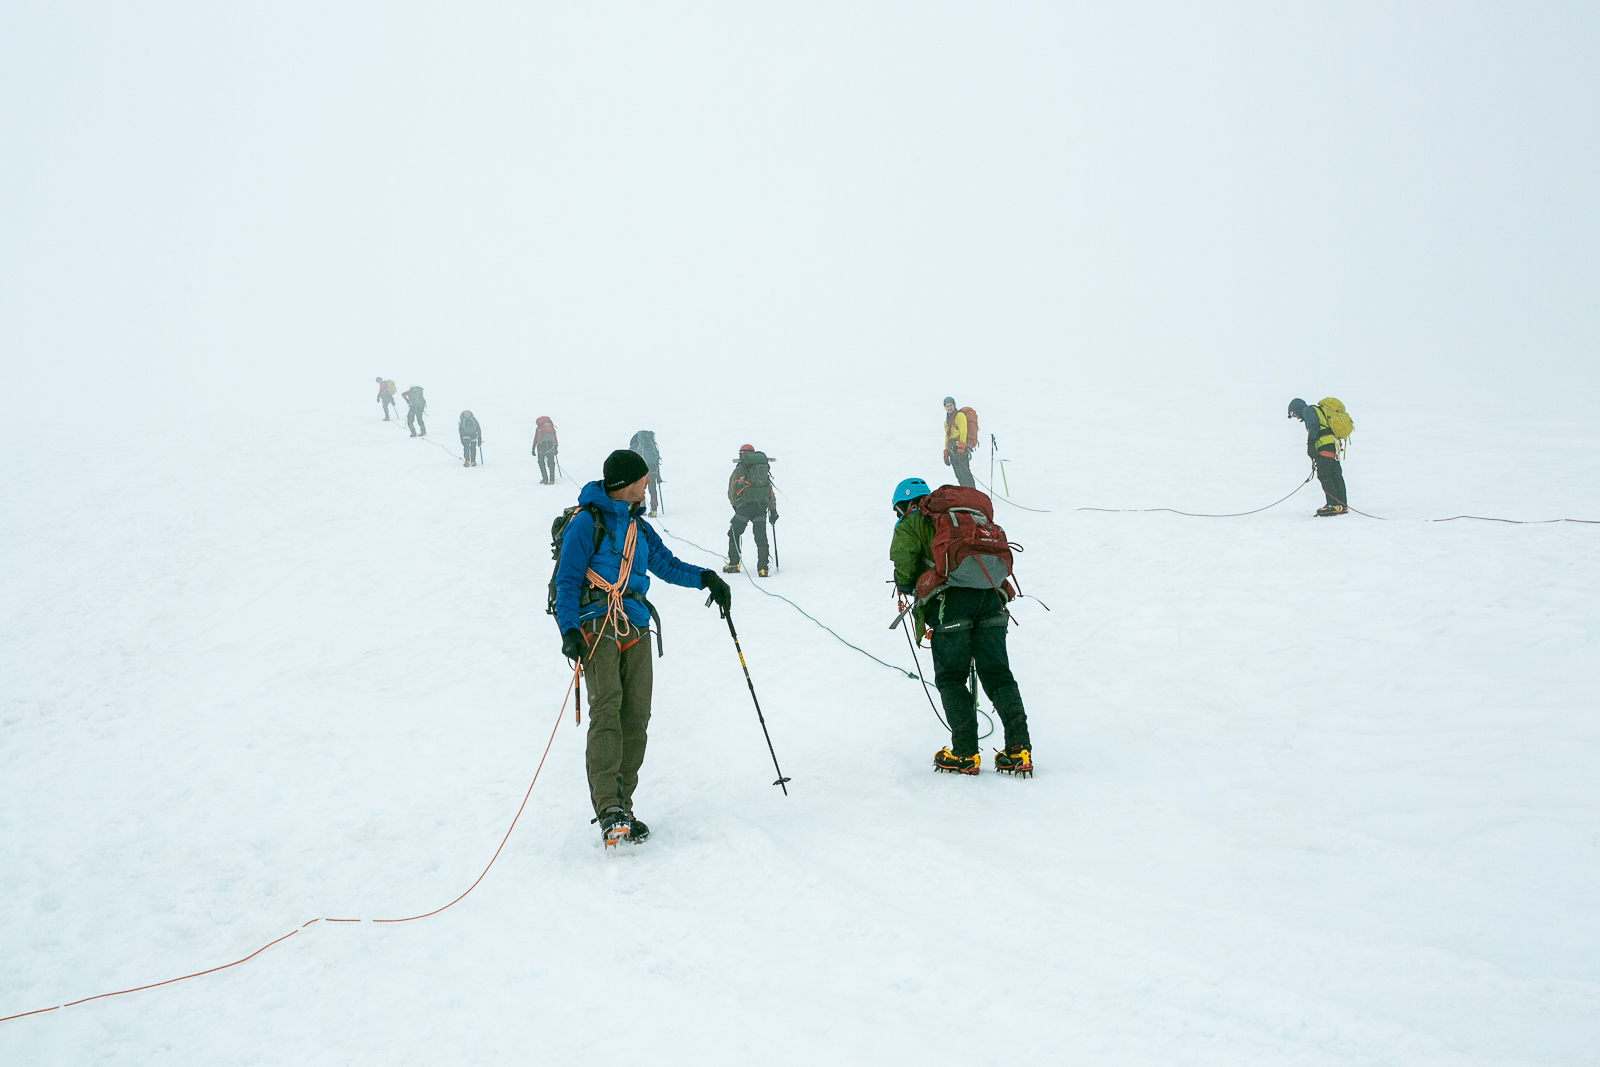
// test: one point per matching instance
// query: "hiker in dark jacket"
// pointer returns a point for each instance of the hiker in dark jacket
(644, 443)
(611, 636)
(750, 493)
(968, 632)
(415, 406)
(471, 438)
(1323, 448)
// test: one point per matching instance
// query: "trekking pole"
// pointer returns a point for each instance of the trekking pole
(993, 448)
(727, 614)
(776, 562)
(1003, 480)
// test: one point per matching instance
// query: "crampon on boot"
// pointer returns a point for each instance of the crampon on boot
(1331, 509)
(950, 763)
(731, 568)
(1015, 760)
(761, 572)
(616, 826)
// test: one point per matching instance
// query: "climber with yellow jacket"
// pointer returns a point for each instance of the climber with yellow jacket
(960, 438)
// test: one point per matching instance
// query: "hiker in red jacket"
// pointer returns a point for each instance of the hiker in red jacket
(545, 447)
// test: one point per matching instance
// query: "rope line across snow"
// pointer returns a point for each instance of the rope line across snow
(409, 918)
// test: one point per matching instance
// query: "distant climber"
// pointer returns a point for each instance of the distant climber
(960, 438)
(545, 447)
(967, 614)
(599, 590)
(1324, 442)
(471, 438)
(386, 396)
(750, 493)
(416, 405)
(644, 443)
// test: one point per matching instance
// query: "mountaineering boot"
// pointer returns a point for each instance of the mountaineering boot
(761, 572)
(950, 763)
(639, 831)
(1015, 760)
(1331, 509)
(730, 568)
(652, 514)
(413, 433)
(615, 826)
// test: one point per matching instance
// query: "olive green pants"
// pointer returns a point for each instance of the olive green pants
(619, 683)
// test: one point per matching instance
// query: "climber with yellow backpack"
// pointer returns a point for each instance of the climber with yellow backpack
(1328, 426)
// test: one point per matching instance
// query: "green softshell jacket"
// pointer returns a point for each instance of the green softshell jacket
(911, 551)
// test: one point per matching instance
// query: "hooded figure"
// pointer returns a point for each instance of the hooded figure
(1323, 448)
(471, 438)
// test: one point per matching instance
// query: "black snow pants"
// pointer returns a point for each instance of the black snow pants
(547, 465)
(469, 449)
(736, 531)
(969, 626)
(388, 406)
(1331, 475)
(414, 420)
(961, 464)
(655, 494)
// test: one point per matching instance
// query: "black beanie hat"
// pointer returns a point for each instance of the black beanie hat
(623, 468)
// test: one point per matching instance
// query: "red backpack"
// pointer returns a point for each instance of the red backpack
(543, 428)
(969, 550)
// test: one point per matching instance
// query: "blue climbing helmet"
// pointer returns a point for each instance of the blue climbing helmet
(910, 489)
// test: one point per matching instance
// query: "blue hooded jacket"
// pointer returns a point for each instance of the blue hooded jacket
(578, 555)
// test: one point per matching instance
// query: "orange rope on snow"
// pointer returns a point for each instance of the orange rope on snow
(570, 687)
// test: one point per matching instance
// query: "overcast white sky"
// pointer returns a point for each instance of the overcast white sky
(515, 195)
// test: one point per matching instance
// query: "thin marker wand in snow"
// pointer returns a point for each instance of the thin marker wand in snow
(762, 718)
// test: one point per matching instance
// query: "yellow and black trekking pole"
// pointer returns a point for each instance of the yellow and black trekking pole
(728, 615)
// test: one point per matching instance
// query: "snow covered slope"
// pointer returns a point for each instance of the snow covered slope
(1308, 792)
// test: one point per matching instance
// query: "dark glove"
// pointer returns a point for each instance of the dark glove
(720, 593)
(947, 458)
(772, 517)
(572, 644)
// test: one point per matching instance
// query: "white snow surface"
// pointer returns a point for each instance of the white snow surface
(1308, 792)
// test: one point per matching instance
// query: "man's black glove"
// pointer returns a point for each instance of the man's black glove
(572, 644)
(719, 590)
(772, 517)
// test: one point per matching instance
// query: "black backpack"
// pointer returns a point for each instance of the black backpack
(644, 443)
(753, 476)
(557, 529)
(756, 469)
